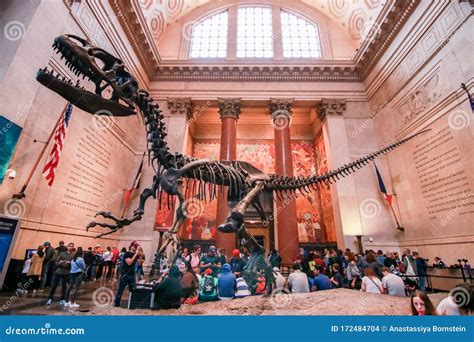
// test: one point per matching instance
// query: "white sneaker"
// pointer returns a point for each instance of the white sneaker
(62, 302)
(67, 304)
(49, 302)
(74, 305)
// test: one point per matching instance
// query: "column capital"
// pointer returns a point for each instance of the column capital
(229, 107)
(280, 106)
(180, 106)
(331, 107)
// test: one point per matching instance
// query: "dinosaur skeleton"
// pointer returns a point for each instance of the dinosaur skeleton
(200, 178)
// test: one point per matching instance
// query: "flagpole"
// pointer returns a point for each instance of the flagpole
(396, 220)
(21, 194)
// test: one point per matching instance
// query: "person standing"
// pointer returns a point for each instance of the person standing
(36, 266)
(275, 259)
(49, 265)
(127, 271)
(61, 248)
(212, 261)
(78, 268)
(422, 269)
(106, 262)
(62, 274)
(195, 258)
(410, 268)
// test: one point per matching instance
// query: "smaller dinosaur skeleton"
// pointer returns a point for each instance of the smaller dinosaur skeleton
(203, 178)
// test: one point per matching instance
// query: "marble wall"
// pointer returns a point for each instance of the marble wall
(417, 86)
(99, 157)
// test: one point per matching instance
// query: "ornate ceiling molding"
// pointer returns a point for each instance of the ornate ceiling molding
(131, 24)
(382, 35)
(256, 73)
(376, 42)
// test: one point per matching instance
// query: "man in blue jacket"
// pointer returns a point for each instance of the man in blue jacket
(226, 283)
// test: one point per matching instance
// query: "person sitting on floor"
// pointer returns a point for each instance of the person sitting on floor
(280, 280)
(226, 283)
(168, 293)
(208, 287)
(242, 288)
(190, 284)
(321, 281)
(298, 281)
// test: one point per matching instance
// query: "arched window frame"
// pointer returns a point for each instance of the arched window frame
(277, 42)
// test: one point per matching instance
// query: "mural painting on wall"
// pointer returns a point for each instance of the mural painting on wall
(326, 198)
(164, 216)
(307, 213)
(262, 156)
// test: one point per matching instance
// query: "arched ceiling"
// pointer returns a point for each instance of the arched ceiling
(370, 24)
(356, 17)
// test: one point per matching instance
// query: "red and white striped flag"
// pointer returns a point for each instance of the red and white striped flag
(59, 136)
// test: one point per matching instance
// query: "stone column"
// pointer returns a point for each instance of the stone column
(229, 111)
(287, 225)
(343, 192)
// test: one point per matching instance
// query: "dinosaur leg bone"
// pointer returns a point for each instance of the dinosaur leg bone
(236, 218)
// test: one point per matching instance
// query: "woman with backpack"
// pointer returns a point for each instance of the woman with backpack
(78, 267)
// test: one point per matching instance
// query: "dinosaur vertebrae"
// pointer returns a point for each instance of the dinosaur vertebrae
(293, 184)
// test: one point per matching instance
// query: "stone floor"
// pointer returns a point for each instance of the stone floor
(97, 298)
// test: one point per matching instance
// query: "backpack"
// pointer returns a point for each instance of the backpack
(208, 286)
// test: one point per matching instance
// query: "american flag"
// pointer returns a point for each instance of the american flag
(59, 136)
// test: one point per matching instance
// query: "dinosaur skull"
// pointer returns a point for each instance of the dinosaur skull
(107, 72)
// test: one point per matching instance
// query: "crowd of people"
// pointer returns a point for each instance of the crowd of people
(195, 276)
(68, 266)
